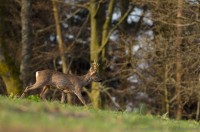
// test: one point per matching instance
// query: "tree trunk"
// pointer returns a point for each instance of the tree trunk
(106, 26)
(166, 93)
(61, 45)
(3, 90)
(26, 7)
(198, 101)
(8, 71)
(96, 19)
(124, 5)
(178, 60)
(100, 33)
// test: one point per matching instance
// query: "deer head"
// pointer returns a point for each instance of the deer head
(93, 72)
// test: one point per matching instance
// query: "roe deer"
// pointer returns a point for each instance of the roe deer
(64, 82)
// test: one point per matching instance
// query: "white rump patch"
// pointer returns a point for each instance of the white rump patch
(36, 74)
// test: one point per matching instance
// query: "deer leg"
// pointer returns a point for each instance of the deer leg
(25, 91)
(80, 97)
(44, 92)
(34, 86)
(63, 97)
(54, 94)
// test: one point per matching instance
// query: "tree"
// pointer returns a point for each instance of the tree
(97, 14)
(8, 70)
(26, 8)
(178, 59)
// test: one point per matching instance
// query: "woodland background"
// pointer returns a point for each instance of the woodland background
(148, 50)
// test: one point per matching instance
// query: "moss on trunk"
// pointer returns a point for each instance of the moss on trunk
(8, 71)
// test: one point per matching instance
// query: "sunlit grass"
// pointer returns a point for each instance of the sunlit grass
(34, 115)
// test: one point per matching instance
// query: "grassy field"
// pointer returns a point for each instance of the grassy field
(22, 115)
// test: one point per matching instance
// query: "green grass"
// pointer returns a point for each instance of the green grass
(31, 115)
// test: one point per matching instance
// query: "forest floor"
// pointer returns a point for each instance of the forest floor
(22, 115)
